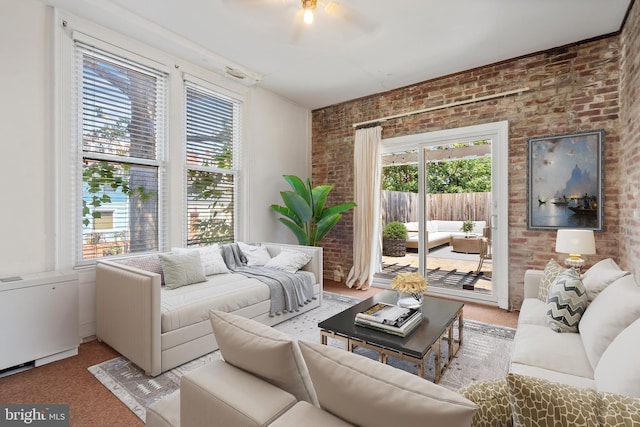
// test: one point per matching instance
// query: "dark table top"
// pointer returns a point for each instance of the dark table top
(437, 315)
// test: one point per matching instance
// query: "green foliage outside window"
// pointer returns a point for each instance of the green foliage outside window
(453, 176)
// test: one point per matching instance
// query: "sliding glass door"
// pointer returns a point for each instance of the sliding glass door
(449, 189)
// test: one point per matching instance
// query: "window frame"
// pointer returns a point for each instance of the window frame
(88, 46)
(207, 88)
(67, 188)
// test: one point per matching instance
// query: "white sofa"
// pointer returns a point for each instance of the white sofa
(267, 378)
(440, 232)
(158, 328)
(604, 354)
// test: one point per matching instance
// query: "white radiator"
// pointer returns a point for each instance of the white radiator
(39, 319)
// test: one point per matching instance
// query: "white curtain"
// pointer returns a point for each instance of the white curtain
(366, 221)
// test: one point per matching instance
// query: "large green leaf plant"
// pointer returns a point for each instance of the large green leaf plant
(305, 212)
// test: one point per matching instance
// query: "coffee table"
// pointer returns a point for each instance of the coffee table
(439, 317)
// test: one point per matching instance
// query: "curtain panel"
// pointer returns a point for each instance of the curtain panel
(366, 221)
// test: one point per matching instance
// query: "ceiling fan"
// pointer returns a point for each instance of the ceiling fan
(307, 12)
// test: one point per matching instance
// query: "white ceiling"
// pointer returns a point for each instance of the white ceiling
(360, 48)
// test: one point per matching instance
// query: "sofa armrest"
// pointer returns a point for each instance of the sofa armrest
(128, 313)
(532, 280)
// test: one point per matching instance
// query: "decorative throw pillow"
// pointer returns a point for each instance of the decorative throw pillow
(365, 392)
(492, 398)
(537, 402)
(619, 410)
(210, 256)
(551, 271)
(263, 351)
(618, 370)
(147, 262)
(289, 260)
(617, 307)
(600, 275)
(256, 255)
(566, 302)
(181, 270)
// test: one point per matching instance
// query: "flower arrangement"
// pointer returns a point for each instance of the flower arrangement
(410, 283)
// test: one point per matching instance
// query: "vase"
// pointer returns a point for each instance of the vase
(410, 300)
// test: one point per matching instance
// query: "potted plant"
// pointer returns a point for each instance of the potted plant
(467, 227)
(394, 239)
(305, 211)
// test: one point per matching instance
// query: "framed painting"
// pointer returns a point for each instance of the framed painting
(565, 181)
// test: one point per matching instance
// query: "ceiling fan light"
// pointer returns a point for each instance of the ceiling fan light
(308, 6)
(308, 16)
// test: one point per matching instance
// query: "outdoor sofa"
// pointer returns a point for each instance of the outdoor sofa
(440, 232)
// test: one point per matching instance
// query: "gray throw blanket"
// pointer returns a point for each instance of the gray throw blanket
(289, 291)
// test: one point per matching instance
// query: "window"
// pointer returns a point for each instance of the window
(212, 134)
(121, 109)
(104, 221)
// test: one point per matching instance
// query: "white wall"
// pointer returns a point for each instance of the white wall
(278, 135)
(25, 141)
(277, 142)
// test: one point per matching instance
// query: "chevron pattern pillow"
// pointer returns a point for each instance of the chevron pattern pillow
(566, 302)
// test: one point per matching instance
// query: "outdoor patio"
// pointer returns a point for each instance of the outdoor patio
(445, 268)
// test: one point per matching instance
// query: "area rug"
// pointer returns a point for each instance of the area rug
(484, 354)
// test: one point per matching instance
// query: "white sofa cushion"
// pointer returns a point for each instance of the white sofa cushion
(413, 226)
(255, 254)
(566, 302)
(228, 292)
(600, 275)
(365, 392)
(618, 370)
(617, 306)
(263, 351)
(533, 312)
(548, 374)
(537, 345)
(288, 260)
(210, 256)
(181, 269)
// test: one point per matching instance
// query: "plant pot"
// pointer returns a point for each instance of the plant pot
(394, 247)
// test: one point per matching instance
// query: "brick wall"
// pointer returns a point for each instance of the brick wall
(574, 88)
(630, 147)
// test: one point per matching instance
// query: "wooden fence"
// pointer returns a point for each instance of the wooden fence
(403, 207)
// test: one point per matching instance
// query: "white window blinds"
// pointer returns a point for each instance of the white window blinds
(121, 108)
(212, 138)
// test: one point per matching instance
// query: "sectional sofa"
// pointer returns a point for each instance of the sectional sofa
(159, 327)
(267, 378)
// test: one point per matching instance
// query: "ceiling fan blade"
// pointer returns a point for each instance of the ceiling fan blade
(339, 11)
(297, 27)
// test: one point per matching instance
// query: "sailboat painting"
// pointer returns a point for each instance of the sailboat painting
(565, 181)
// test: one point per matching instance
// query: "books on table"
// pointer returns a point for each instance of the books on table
(389, 318)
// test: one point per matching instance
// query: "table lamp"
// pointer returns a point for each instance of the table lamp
(575, 243)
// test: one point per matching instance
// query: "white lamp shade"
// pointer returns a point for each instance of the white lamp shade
(579, 242)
